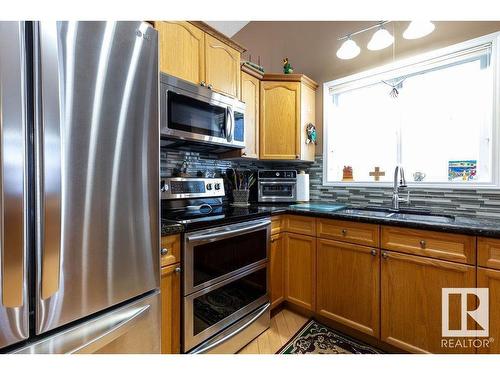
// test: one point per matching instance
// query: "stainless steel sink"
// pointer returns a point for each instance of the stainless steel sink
(363, 212)
(414, 214)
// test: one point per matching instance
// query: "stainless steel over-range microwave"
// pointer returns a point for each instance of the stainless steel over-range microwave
(195, 113)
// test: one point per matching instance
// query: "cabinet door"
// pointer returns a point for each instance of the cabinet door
(279, 119)
(170, 309)
(250, 94)
(181, 50)
(222, 67)
(411, 300)
(348, 288)
(276, 270)
(488, 278)
(308, 116)
(300, 270)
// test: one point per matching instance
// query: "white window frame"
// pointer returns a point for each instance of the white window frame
(400, 68)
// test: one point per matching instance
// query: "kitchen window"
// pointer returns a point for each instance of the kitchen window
(435, 114)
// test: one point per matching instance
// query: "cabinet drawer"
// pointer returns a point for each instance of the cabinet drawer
(453, 247)
(301, 225)
(348, 231)
(488, 252)
(277, 224)
(170, 249)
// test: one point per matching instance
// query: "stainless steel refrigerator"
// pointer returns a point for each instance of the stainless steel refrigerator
(79, 188)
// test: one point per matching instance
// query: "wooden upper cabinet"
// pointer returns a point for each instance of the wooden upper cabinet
(411, 288)
(222, 67)
(287, 103)
(279, 115)
(300, 270)
(181, 50)
(348, 288)
(171, 309)
(250, 94)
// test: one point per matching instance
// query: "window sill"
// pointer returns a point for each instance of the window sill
(417, 186)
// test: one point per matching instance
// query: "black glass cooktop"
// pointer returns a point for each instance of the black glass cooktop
(210, 217)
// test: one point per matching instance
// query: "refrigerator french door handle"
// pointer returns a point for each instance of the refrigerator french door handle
(48, 157)
(13, 204)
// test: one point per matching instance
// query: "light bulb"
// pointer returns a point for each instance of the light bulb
(348, 50)
(380, 40)
(418, 29)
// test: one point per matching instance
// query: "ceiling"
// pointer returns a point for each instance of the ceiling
(228, 28)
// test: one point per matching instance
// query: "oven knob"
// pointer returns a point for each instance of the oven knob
(277, 174)
(209, 186)
(217, 186)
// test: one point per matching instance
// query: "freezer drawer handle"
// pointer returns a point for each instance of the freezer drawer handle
(107, 337)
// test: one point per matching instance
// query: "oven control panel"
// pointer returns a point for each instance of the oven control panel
(277, 174)
(187, 187)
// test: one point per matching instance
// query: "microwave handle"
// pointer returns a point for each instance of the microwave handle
(229, 124)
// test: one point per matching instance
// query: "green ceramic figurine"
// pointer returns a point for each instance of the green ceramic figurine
(287, 68)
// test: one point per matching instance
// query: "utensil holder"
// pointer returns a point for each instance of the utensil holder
(240, 198)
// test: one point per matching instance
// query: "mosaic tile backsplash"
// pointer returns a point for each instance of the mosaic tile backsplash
(472, 203)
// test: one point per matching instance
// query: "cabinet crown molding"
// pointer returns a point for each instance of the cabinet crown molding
(291, 78)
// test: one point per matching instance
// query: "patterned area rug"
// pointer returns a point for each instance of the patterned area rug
(315, 338)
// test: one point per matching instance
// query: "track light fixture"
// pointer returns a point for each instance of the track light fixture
(382, 38)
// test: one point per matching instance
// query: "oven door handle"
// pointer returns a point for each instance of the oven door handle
(204, 348)
(219, 235)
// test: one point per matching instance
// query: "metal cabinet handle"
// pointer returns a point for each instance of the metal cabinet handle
(385, 255)
(177, 270)
(210, 86)
(203, 83)
(373, 252)
(297, 156)
(422, 244)
(164, 251)
(344, 232)
(243, 154)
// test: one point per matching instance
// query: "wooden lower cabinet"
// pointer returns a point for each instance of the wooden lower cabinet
(488, 278)
(348, 285)
(300, 270)
(277, 273)
(171, 309)
(411, 300)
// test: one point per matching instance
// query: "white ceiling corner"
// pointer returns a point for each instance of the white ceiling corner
(228, 28)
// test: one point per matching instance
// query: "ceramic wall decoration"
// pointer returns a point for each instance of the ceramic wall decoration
(311, 134)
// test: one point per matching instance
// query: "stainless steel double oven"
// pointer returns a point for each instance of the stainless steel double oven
(226, 299)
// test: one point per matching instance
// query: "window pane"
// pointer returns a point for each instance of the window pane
(362, 133)
(445, 118)
(439, 125)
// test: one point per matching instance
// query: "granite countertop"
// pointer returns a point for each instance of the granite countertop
(458, 224)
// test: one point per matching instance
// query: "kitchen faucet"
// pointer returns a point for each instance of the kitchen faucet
(399, 183)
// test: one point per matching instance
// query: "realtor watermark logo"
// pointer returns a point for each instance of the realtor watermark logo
(464, 336)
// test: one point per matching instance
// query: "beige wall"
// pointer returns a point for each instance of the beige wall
(311, 47)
